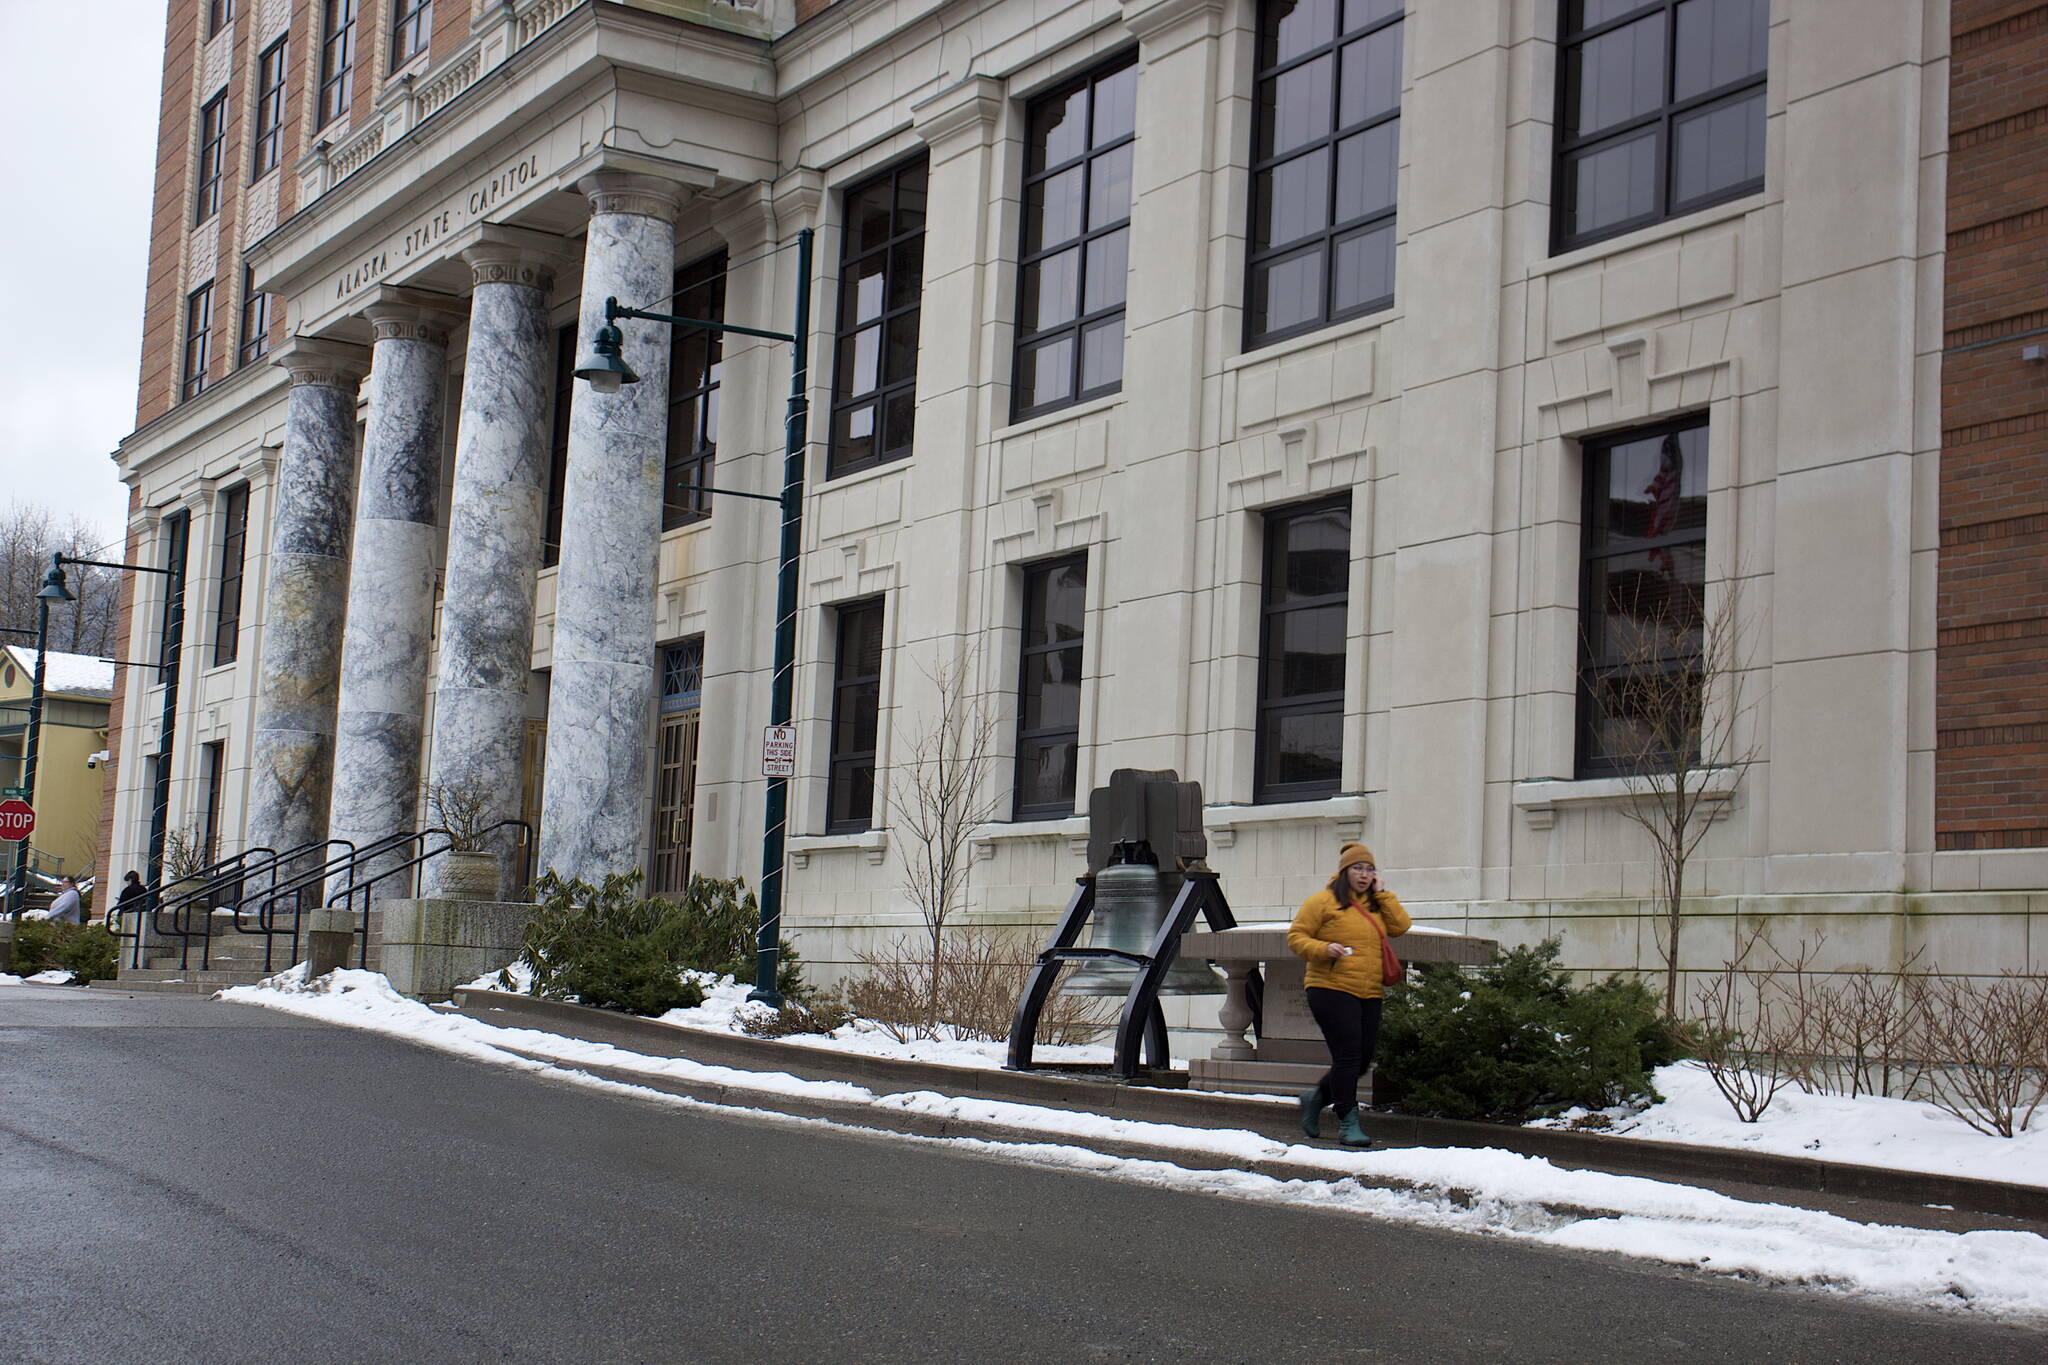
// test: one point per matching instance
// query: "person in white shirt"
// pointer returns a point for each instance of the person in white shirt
(67, 906)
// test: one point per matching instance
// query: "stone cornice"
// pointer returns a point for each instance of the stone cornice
(1161, 26)
(798, 196)
(326, 364)
(967, 109)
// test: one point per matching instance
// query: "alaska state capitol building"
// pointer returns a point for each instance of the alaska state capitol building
(1291, 393)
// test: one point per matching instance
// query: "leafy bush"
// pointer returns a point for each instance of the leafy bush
(84, 950)
(609, 947)
(1516, 1040)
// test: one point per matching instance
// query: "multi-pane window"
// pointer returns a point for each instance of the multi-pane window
(198, 340)
(219, 14)
(337, 58)
(234, 541)
(1660, 110)
(856, 717)
(270, 70)
(1301, 652)
(1049, 692)
(412, 28)
(171, 627)
(256, 307)
(213, 142)
(1326, 144)
(558, 446)
(1642, 595)
(881, 282)
(1077, 241)
(698, 358)
(216, 762)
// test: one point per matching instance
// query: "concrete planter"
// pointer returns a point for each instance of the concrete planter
(430, 946)
(470, 877)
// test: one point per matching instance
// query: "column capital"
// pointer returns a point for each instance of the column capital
(412, 314)
(649, 196)
(1162, 26)
(322, 363)
(798, 196)
(967, 109)
(497, 254)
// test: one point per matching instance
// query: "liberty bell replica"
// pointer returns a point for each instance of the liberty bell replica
(1138, 814)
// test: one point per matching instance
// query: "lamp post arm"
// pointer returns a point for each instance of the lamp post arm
(108, 564)
(614, 310)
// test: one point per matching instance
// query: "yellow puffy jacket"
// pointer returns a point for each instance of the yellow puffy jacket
(1321, 922)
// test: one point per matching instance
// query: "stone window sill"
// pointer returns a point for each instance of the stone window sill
(1072, 828)
(1071, 413)
(1335, 332)
(1347, 813)
(873, 842)
(1540, 801)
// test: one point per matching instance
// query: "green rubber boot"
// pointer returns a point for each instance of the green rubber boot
(1350, 1131)
(1313, 1103)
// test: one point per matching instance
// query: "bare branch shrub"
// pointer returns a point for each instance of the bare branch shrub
(463, 807)
(1743, 1046)
(1987, 1043)
(1876, 1028)
(979, 979)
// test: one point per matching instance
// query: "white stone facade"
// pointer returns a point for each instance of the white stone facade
(1804, 322)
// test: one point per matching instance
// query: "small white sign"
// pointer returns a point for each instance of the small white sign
(778, 751)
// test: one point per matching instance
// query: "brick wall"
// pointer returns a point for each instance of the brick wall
(170, 212)
(1991, 710)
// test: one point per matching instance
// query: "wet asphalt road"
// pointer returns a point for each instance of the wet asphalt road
(182, 1180)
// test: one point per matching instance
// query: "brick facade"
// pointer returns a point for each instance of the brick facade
(1991, 757)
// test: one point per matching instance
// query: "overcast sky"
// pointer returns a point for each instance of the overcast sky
(79, 85)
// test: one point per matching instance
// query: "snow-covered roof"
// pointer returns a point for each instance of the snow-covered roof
(74, 675)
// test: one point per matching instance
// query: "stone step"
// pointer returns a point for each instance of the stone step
(171, 979)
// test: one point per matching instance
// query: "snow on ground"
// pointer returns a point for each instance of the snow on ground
(6, 979)
(1485, 1191)
(53, 977)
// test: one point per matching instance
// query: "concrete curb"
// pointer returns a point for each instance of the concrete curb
(1199, 1109)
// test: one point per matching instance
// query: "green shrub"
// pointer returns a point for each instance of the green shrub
(1515, 1040)
(609, 947)
(84, 950)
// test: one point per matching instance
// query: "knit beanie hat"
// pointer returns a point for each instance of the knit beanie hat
(1354, 853)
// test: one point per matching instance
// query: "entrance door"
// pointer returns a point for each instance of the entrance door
(675, 767)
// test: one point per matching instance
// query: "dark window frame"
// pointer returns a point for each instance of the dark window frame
(1083, 322)
(412, 30)
(216, 763)
(213, 150)
(1035, 576)
(337, 60)
(558, 447)
(693, 393)
(1323, 244)
(219, 14)
(1595, 453)
(843, 817)
(256, 319)
(234, 551)
(193, 379)
(271, 69)
(1272, 571)
(890, 388)
(177, 534)
(1664, 118)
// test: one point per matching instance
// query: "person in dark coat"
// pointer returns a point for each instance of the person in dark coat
(134, 895)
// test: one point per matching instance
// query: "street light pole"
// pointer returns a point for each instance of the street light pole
(53, 590)
(606, 370)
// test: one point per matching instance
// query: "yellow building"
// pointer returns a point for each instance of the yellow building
(69, 775)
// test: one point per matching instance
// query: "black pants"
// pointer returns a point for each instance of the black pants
(1351, 1027)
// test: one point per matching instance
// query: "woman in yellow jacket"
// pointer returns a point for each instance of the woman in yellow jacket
(1337, 933)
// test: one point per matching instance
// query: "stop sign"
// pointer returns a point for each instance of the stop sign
(17, 819)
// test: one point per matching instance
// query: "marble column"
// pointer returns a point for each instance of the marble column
(494, 529)
(381, 714)
(305, 596)
(602, 689)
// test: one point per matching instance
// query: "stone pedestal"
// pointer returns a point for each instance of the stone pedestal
(429, 947)
(1290, 1055)
(305, 602)
(602, 688)
(382, 708)
(494, 528)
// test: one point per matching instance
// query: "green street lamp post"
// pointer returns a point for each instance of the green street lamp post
(53, 591)
(607, 371)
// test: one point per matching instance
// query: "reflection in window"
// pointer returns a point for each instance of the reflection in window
(698, 359)
(213, 141)
(337, 59)
(1661, 111)
(234, 541)
(412, 28)
(881, 284)
(1301, 652)
(1049, 692)
(1326, 146)
(198, 341)
(270, 73)
(1642, 597)
(856, 717)
(1076, 249)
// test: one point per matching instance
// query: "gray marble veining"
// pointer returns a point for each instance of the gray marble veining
(602, 690)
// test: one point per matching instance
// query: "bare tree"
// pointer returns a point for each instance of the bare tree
(29, 535)
(1676, 723)
(941, 795)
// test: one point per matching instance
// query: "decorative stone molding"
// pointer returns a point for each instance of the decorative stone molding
(872, 842)
(798, 196)
(412, 315)
(647, 196)
(497, 254)
(968, 110)
(322, 363)
(1071, 830)
(1541, 800)
(1163, 25)
(1346, 816)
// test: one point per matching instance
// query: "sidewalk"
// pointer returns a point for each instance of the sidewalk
(1865, 1194)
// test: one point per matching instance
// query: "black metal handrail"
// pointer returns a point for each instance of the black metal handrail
(363, 888)
(223, 874)
(291, 893)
